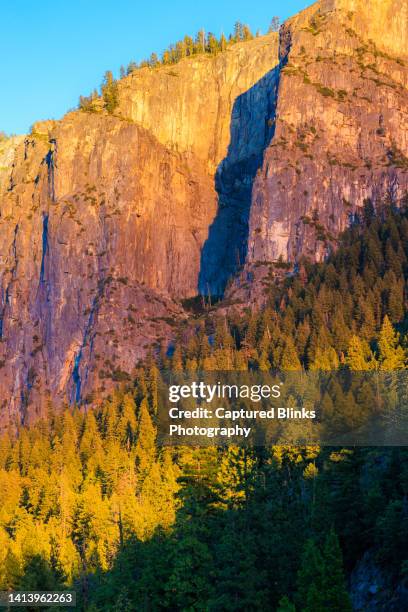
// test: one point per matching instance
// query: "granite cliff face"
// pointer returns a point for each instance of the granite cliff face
(103, 222)
(188, 106)
(211, 166)
(341, 127)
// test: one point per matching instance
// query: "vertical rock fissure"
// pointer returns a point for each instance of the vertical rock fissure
(50, 161)
(44, 246)
(77, 378)
(13, 271)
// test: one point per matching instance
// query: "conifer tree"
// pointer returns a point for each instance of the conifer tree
(310, 579)
(145, 449)
(109, 90)
(285, 605)
(274, 25)
(325, 360)
(38, 576)
(289, 359)
(392, 356)
(90, 440)
(127, 425)
(212, 44)
(238, 31)
(132, 66)
(359, 357)
(246, 33)
(336, 597)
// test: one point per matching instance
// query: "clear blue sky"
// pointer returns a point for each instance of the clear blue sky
(54, 50)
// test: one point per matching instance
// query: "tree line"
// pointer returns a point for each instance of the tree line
(203, 43)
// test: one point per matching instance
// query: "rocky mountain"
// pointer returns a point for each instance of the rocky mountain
(341, 132)
(209, 170)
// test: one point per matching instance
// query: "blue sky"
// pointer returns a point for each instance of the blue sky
(53, 51)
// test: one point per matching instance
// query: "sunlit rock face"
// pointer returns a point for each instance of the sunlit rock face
(341, 132)
(209, 171)
(103, 222)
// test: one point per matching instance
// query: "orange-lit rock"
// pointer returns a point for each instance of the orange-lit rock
(209, 167)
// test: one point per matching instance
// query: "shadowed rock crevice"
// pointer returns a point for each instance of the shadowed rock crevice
(49, 160)
(76, 373)
(44, 246)
(5, 293)
(252, 128)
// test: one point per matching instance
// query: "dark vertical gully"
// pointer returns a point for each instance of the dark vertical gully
(77, 377)
(44, 245)
(252, 130)
(6, 293)
(49, 160)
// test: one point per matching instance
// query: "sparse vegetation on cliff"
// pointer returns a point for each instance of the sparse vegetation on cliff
(204, 43)
(109, 93)
(86, 103)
